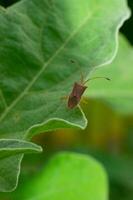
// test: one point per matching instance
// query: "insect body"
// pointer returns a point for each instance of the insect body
(78, 90)
(76, 94)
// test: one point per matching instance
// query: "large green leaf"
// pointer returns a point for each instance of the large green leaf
(68, 176)
(119, 92)
(38, 38)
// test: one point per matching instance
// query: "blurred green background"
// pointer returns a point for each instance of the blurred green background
(108, 137)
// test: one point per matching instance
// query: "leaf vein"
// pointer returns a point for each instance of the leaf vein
(44, 66)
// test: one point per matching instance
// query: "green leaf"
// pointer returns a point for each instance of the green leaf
(37, 41)
(68, 176)
(10, 147)
(119, 92)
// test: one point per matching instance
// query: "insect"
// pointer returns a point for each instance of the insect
(78, 90)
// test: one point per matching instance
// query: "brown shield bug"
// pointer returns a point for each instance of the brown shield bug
(78, 90)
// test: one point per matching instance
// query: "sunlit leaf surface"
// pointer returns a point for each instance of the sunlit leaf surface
(68, 176)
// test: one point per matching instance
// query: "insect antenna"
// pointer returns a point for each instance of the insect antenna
(79, 68)
(82, 77)
(108, 79)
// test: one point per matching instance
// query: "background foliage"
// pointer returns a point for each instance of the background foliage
(108, 137)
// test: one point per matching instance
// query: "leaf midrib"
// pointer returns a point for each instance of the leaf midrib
(44, 66)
